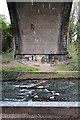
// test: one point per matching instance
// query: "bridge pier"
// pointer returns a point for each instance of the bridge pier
(40, 28)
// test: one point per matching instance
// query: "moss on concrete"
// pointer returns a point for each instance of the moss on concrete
(39, 75)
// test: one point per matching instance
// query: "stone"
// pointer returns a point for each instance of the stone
(57, 94)
(52, 91)
(40, 87)
(52, 98)
(36, 96)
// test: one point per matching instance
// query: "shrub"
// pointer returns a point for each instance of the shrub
(43, 59)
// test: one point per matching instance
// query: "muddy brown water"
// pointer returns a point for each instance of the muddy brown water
(37, 90)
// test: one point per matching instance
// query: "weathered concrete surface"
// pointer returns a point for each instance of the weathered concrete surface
(49, 75)
(41, 112)
(40, 28)
(40, 75)
(38, 110)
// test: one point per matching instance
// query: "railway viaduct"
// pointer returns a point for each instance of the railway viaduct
(40, 27)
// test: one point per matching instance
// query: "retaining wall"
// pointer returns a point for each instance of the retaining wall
(41, 110)
(39, 75)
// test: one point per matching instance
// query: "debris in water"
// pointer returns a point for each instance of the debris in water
(36, 96)
(30, 92)
(16, 86)
(23, 90)
(52, 91)
(20, 97)
(40, 87)
(57, 94)
(47, 90)
(52, 98)
(30, 86)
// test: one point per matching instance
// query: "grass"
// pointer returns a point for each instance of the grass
(71, 63)
(37, 65)
(12, 72)
(67, 66)
(7, 56)
(20, 68)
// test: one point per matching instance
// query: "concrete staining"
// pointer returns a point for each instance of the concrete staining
(40, 27)
(47, 111)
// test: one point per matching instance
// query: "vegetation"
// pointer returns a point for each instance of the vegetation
(73, 23)
(37, 65)
(19, 68)
(71, 63)
(7, 56)
(73, 39)
(43, 59)
(6, 33)
(12, 72)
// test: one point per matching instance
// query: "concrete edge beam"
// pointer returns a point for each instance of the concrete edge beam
(39, 104)
(39, 75)
(48, 75)
(41, 112)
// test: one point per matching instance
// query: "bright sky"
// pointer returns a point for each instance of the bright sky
(4, 9)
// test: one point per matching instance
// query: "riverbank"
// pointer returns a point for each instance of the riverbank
(24, 69)
(15, 75)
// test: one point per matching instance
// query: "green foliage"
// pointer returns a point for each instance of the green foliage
(43, 59)
(8, 52)
(37, 65)
(73, 50)
(6, 33)
(9, 75)
(73, 25)
(71, 64)
(20, 68)
(73, 67)
(53, 65)
(7, 56)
